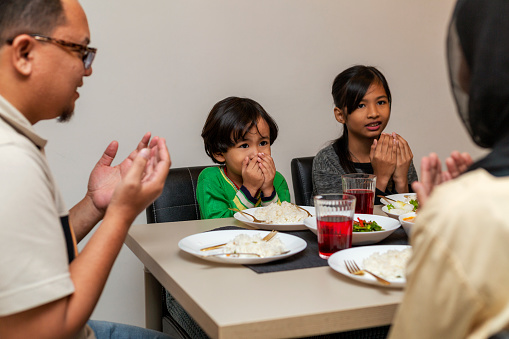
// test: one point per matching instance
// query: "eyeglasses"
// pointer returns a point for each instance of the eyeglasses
(87, 53)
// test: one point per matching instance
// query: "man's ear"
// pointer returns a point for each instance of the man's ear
(340, 116)
(23, 54)
(219, 157)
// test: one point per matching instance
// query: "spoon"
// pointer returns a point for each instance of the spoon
(242, 212)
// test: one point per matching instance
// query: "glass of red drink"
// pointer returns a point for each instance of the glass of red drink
(363, 187)
(334, 221)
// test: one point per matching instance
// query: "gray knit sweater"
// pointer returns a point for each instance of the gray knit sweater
(327, 173)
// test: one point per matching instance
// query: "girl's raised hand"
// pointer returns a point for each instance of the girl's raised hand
(403, 161)
(383, 157)
(268, 168)
(252, 175)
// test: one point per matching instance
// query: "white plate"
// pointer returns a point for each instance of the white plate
(193, 243)
(278, 227)
(393, 215)
(337, 262)
(404, 197)
(364, 238)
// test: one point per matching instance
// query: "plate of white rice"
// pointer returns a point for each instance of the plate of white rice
(284, 217)
(242, 241)
(387, 261)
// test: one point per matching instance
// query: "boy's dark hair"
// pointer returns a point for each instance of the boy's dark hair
(29, 16)
(348, 89)
(229, 121)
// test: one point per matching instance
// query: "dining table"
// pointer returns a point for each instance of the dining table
(272, 300)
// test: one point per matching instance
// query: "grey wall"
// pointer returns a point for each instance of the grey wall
(162, 65)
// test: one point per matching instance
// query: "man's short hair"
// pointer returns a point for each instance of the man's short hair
(29, 16)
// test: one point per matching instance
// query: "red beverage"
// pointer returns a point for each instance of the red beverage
(334, 234)
(365, 200)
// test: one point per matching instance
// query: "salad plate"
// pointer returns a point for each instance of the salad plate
(364, 238)
(194, 243)
(358, 254)
(265, 226)
(401, 206)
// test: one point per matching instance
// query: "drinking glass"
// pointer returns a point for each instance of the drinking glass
(334, 221)
(363, 187)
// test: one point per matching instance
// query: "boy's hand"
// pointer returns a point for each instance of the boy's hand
(268, 168)
(252, 175)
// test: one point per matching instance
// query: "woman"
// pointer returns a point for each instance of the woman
(457, 276)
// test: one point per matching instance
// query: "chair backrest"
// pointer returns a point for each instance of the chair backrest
(302, 180)
(178, 200)
(504, 334)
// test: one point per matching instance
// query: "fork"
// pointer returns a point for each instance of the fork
(269, 236)
(242, 212)
(352, 267)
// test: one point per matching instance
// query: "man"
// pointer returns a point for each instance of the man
(457, 276)
(46, 291)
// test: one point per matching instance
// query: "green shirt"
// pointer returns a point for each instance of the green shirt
(216, 193)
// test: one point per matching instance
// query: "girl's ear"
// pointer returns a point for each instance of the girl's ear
(340, 116)
(219, 157)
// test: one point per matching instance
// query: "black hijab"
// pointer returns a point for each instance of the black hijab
(478, 56)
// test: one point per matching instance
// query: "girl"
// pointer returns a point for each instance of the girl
(362, 102)
(238, 134)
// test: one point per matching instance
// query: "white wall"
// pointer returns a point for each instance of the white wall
(162, 65)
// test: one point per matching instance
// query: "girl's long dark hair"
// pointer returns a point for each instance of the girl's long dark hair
(348, 89)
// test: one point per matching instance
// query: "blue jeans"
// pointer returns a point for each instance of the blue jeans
(109, 330)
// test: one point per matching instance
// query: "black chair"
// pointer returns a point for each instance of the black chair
(504, 334)
(302, 169)
(178, 200)
(177, 203)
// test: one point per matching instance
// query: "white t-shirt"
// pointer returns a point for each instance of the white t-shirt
(34, 264)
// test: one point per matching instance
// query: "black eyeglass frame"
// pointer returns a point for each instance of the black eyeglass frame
(87, 53)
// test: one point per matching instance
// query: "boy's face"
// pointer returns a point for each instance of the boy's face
(256, 140)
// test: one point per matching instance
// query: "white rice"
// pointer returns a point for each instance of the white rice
(389, 265)
(244, 243)
(285, 213)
